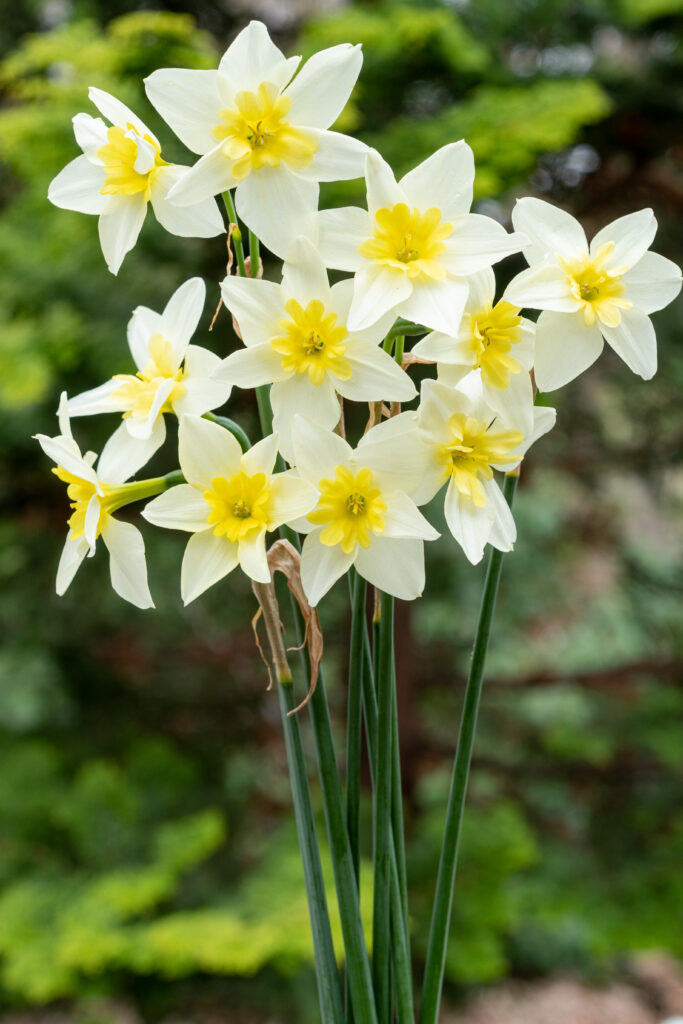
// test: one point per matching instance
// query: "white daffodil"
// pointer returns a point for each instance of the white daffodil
(590, 293)
(262, 131)
(173, 377)
(361, 517)
(459, 440)
(120, 172)
(94, 495)
(229, 503)
(296, 337)
(415, 248)
(495, 339)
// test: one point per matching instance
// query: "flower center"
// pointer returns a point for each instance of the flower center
(80, 493)
(492, 334)
(130, 162)
(256, 133)
(473, 447)
(408, 240)
(137, 393)
(350, 508)
(312, 342)
(598, 289)
(238, 507)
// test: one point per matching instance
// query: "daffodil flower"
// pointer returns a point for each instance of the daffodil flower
(172, 377)
(590, 293)
(229, 503)
(460, 440)
(494, 339)
(262, 131)
(361, 518)
(417, 245)
(95, 494)
(296, 337)
(120, 172)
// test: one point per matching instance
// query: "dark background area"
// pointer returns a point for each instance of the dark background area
(147, 853)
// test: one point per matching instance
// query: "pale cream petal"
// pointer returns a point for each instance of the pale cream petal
(376, 376)
(143, 324)
(207, 560)
(209, 176)
(443, 180)
(91, 135)
(296, 394)
(394, 566)
(116, 111)
(482, 290)
(445, 348)
(631, 236)
(278, 205)
(549, 230)
(127, 565)
(141, 427)
(251, 552)
(337, 158)
(397, 454)
(635, 342)
(73, 553)
(436, 304)
(318, 452)
(256, 305)
(652, 283)
(383, 190)
(565, 347)
(95, 401)
(341, 297)
(124, 454)
(179, 508)
(206, 451)
(201, 220)
(203, 392)
(304, 276)
(77, 187)
(189, 101)
(261, 457)
(543, 286)
(322, 566)
(340, 233)
(377, 291)
(253, 57)
(403, 518)
(515, 402)
(471, 526)
(322, 88)
(477, 242)
(503, 531)
(252, 367)
(182, 314)
(119, 226)
(291, 497)
(65, 452)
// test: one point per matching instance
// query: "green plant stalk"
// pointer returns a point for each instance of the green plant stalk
(382, 838)
(399, 343)
(254, 254)
(234, 428)
(353, 732)
(397, 813)
(329, 993)
(445, 882)
(237, 234)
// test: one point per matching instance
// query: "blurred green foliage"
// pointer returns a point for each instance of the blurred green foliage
(129, 740)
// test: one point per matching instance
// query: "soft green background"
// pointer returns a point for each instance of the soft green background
(146, 845)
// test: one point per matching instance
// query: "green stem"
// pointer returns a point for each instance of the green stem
(406, 327)
(138, 490)
(254, 255)
(397, 812)
(234, 428)
(265, 411)
(445, 882)
(398, 349)
(329, 994)
(354, 727)
(382, 839)
(237, 234)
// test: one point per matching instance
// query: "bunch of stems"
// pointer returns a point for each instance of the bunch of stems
(378, 985)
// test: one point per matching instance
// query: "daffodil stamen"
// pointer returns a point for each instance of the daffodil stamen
(408, 240)
(256, 133)
(599, 290)
(312, 342)
(350, 508)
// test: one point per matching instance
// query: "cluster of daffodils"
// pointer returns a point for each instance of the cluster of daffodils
(420, 263)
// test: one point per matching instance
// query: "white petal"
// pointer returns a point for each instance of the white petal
(295, 395)
(443, 180)
(544, 419)
(444, 348)
(97, 400)
(146, 155)
(252, 367)
(142, 427)
(652, 283)
(338, 157)
(261, 457)
(73, 553)
(252, 557)
(180, 508)
(377, 290)
(341, 297)
(77, 187)
(127, 565)
(206, 451)
(116, 112)
(632, 236)
(318, 452)
(304, 276)
(253, 58)
(66, 453)
(394, 566)
(209, 176)
(340, 233)
(124, 454)
(482, 290)
(322, 88)
(189, 101)
(436, 304)
(543, 286)
(383, 191)
(477, 242)
(471, 526)
(635, 341)
(549, 230)
(398, 456)
(120, 226)
(291, 497)
(504, 531)
(142, 325)
(203, 392)
(91, 521)
(91, 135)
(321, 566)
(403, 519)
(207, 560)
(201, 220)
(376, 376)
(277, 205)
(256, 305)
(515, 402)
(565, 347)
(182, 314)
